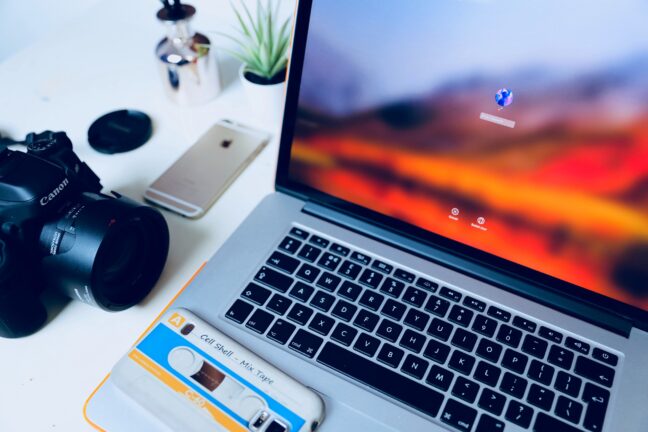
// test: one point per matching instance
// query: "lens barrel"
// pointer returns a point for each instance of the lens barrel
(104, 251)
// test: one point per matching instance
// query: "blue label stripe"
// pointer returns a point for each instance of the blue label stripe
(157, 345)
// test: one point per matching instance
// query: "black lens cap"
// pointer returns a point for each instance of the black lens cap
(120, 131)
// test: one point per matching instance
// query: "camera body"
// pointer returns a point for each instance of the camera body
(58, 231)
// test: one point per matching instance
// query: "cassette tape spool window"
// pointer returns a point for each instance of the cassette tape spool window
(209, 377)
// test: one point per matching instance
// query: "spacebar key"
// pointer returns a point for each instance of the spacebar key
(544, 423)
(382, 379)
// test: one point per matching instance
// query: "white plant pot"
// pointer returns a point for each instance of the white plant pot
(266, 101)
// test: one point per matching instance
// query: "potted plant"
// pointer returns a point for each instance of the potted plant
(262, 45)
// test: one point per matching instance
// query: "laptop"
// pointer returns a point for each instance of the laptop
(459, 234)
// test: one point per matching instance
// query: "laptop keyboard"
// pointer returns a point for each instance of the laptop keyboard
(454, 357)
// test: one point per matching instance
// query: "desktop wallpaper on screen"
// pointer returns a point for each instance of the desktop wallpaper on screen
(519, 128)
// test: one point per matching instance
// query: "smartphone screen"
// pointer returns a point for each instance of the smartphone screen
(201, 175)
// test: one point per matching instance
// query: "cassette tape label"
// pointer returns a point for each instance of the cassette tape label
(153, 354)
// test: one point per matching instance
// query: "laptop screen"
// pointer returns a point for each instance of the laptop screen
(519, 128)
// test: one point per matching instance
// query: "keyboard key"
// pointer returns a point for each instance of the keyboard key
(412, 341)
(344, 334)
(389, 330)
(350, 270)
(339, 249)
(509, 336)
(464, 339)
(309, 253)
(283, 262)
(329, 261)
(458, 415)
(382, 266)
(460, 315)
(415, 366)
(322, 301)
(541, 372)
(605, 357)
(524, 324)
(390, 355)
(416, 319)
(489, 350)
(489, 424)
(540, 397)
(305, 343)
(568, 409)
(273, 279)
(439, 378)
(560, 356)
(371, 300)
(550, 334)
(465, 389)
(298, 232)
(545, 423)
(301, 291)
(579, 346)
(519, 414)
(259, 321)
(308, 273)
(370, 278)
(256, 294)
(349, 290)
(498, 313)
(392, 287)
(514, 361)
(393, 309)
(281, 331)
(461, 362)
(513, 385)
(279, 304)
(492, 401)
(239, 311)
(321, 324)
(437, 306)
(450, 293)
(328, 281)
(404, 275)
(440, 329)
(290, 245)
(361, 258)
(473, 303)
(436, 351)
(597, 400)
(427, 284)
(594, 371)
(568, 384)
(300, 314)
(319, 241)
(366, 320)
(534, 346)
(415, 296)
(487, 373)
(401, 388)
(344, 310)
(484, 325)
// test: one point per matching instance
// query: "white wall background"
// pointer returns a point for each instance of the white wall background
(25, 21)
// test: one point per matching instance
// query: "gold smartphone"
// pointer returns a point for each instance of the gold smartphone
(195, 181)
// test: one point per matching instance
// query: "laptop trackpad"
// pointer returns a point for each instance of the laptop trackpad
(340, 416)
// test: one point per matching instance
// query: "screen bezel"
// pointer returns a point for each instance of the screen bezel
(525, 275)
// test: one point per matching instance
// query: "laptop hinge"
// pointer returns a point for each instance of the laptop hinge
(540, 294)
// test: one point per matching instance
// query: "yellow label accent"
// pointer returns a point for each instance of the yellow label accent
(185, 391)
(176, 320)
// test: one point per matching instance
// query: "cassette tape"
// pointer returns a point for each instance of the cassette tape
(192, 377)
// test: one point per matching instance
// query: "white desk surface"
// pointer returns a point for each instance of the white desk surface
(97, 64)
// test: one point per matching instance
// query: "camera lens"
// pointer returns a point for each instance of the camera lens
(104, 251)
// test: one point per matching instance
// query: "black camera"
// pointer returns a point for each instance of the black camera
(57, 230)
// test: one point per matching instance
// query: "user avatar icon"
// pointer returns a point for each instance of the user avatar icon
(504, 97)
